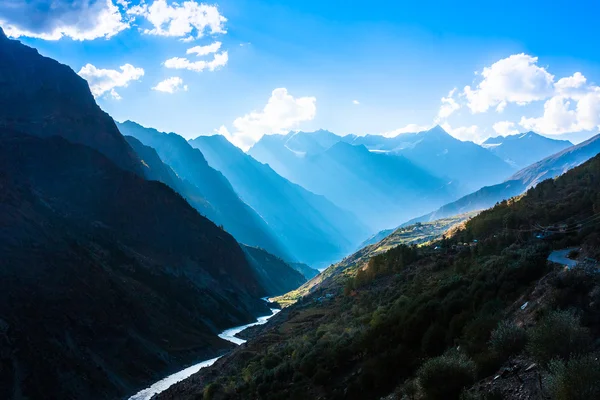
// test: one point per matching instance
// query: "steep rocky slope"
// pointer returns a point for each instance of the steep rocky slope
(42, 97)
(224, 205)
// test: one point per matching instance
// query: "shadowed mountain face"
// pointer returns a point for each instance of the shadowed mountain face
(107, 281)
(274, 274)
(314, 230)
(380, 188)
(224, 205)
(524, 149)
(550, 167)
(42, 97)
(466, 163)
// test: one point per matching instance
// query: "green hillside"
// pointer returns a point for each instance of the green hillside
(428, 322)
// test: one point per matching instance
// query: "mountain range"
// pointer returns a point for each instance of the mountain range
(467, 164)
(524, 149)
(210, 191)
(311, 227)
(550, 167)
(380, 188)
(108, 279)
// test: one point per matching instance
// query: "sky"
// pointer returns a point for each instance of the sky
(248, 68)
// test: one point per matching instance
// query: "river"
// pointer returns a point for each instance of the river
(228, 334)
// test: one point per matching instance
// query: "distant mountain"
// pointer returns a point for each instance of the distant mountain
(305, 270)
(45, 98)
(524, 149)
(274, 274)
(550, 167)
(444, 156)
(379, 188)
(219, 202)
(312, 228)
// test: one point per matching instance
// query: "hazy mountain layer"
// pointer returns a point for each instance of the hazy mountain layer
(224, 205)
(314, 230)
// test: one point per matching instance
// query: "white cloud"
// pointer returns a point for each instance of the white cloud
(106, 80)
(204, 50)
(219, 60)
(564, 115)
(464, 133)
(79, 20)
(186, 19)
(410, 128)
(505, 128)
(449, 105)
(171, 85)
(355, 102)
(515, 79)
(281, 113)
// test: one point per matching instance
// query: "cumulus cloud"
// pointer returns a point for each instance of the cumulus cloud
(102, 81)
(449, 105)
(219, 60)
(515, 79)
(564, 115)
(204, 50)
(188, 19)
(505, 128)
(77, 19)
(171, 85)
(281, 113)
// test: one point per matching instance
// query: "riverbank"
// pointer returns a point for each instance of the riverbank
(228, 334)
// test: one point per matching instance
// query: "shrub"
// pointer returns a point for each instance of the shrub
(444, 377)
(210, 391)
(576, 379)
(558, 335)
(508, 339)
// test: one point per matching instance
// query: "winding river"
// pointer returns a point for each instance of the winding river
(228, 334)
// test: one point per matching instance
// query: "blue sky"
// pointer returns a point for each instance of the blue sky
(305, 64)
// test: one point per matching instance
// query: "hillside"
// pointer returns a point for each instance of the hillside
(550, 167)
(274, 274)
(313, 229)
(114, 279)
(428, 322)
(524, 149)
(225, 207)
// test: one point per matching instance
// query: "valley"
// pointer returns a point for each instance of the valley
(298, 200)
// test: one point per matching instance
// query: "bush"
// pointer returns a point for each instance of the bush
(577, 379)
(508, 339)
(444, 377)
(558, 335)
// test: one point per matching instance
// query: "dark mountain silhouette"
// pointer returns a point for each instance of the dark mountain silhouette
(380, 188)
(524, 149)
(274, 274)
(313, 229)
(550, 167)
(107, 281)
(224, 205)
(42, 97)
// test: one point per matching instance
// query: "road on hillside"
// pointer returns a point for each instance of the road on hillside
(560, 257)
